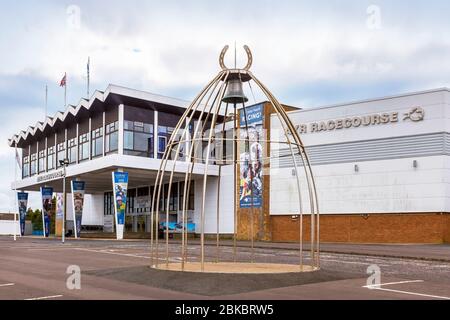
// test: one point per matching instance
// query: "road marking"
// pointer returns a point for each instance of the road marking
(7, 285)
(353, 262)
(45, 298)
(379, 287)
(414, 293)
(114, 253)
(391, 283)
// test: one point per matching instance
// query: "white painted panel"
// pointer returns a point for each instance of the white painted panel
(7, 227)
(226, 201)
(379, 187)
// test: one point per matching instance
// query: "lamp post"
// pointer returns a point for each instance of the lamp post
(64, 163)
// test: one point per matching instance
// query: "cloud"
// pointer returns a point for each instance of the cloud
(307, 53)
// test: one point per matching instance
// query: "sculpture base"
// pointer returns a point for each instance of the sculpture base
(236, 267)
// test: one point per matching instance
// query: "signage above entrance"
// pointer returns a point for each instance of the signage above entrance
(51, 176)
(415, 115)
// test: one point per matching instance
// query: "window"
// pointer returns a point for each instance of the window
(61, 153)
(41, 162)
(84, 146)
(33, 164)
(97, 142)
(190, 204)
(164, 134)
(112, 137)
(173, 197)
(51, 158)
(72, 148)
(138, 139)
(26, 167)
(108, 204)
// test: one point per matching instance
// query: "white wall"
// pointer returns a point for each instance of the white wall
(226, 200)
(381, 186)
(7, 227)
(92, 211)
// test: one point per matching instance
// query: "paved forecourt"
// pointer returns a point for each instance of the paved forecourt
(36, 268)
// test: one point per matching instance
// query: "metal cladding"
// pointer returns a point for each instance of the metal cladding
(213, 113)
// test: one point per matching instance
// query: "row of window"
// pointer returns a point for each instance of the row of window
(36, 163)
(140, 200)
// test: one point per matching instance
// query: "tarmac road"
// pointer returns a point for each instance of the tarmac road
(35, 268)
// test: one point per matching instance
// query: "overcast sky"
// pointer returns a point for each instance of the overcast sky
(309, 53)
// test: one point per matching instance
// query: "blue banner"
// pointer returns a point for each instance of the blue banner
(22, 200)
(251, 153)
(120, 183)
(47, 194)
(78, 188)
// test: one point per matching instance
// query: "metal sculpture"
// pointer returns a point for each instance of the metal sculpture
(201, 127)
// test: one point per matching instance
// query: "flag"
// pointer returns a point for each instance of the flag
(63, 81)
(88, 65)
(18, 159)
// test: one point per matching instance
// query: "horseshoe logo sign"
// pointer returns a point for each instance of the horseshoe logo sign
(249, 58)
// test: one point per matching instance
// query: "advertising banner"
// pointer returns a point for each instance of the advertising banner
(78, 188)
(251, 152)
(120, 186)
(47, 194)
(22, 200)
(59, 214)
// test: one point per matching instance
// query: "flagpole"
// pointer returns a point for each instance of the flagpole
(46, 101)
(15, 190)
(88, 75)
(65, 91)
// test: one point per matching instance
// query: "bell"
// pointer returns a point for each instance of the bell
(234, 93)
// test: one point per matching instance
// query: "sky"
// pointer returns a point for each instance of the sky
(309, 53)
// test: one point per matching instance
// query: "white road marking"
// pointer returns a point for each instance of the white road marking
(353, 262)
(391, 283)
(114, 253)
(45, 298)
(7, 285)
(379, 287)
(414, 293)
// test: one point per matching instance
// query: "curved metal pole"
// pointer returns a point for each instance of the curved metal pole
(218, 187)
(307, 167)
(171, 180)
(188, 175)
(160, 174)
(205, 177)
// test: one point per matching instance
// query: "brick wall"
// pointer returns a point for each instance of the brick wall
(376, 228)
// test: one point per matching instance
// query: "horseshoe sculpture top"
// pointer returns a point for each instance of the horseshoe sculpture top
(249, 58)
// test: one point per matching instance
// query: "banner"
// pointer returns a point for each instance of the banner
(78, 188)
(120, 186)
(251, 123)
(59, 214)
(22, 200)
(47, 194)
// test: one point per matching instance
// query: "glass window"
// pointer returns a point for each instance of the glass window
(61, 153)
(26, 167)
(138, 139)
(41, 162)
(97, 142)
(112, 137)
(33, 164)
(72, 150)
(164, 134)
(51, 158)
(190, 204)
(84, 146)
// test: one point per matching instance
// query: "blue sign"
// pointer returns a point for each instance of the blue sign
(78, 188)
(251, 154)
(120, 183)
(22, 200)
(253, 114)
(47, 194)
